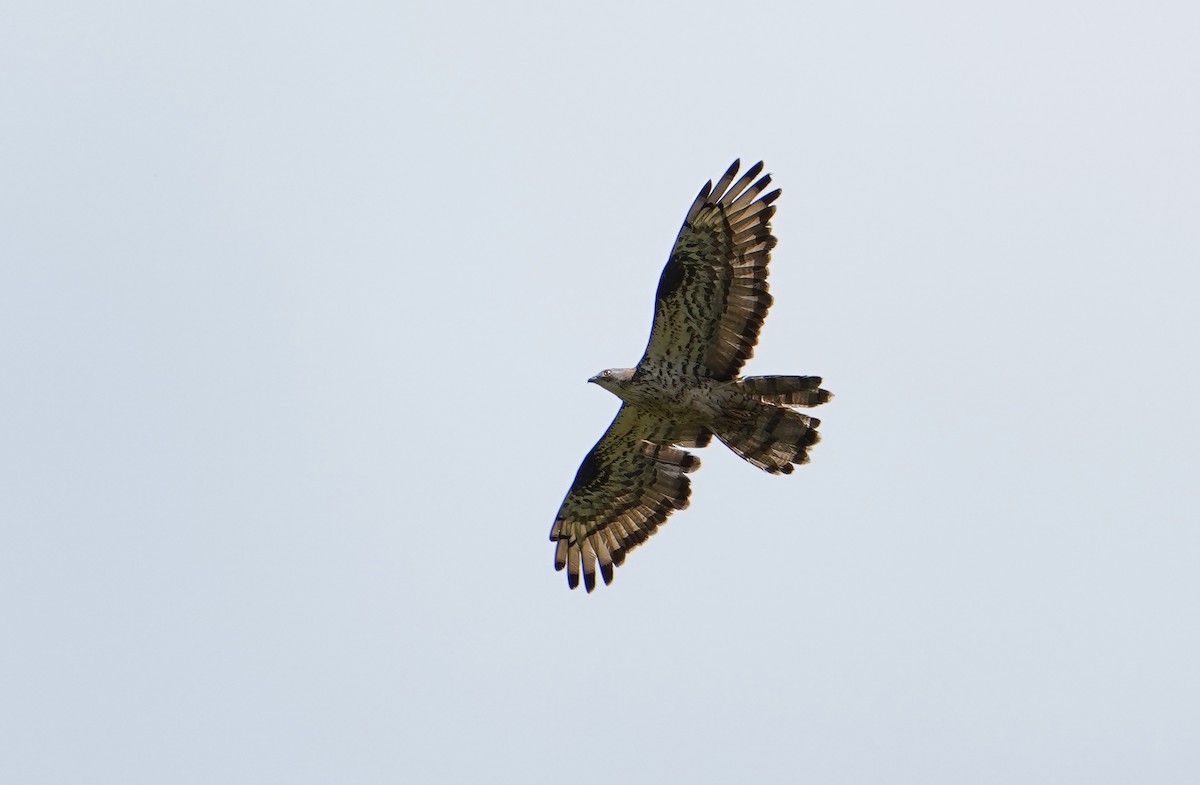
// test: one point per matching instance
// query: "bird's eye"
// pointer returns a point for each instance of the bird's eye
(607, 374)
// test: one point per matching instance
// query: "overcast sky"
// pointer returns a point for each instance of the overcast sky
(297, 306)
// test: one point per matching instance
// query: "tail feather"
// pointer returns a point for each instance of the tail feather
(773, 438)
(786, 390)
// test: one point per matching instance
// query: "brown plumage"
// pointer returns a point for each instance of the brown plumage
(711, 302)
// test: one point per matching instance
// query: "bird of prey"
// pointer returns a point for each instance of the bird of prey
(712, 299)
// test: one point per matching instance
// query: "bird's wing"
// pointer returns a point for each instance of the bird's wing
(626, 486)
(712, 296)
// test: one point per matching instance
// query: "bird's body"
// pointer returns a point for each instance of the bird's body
(684, 400)
(712, 299)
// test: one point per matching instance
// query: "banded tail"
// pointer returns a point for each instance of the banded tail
(768, 434)
(787, 390)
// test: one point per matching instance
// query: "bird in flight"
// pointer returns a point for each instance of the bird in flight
(711, 302)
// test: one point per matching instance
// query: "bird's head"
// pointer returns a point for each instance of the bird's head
(613, 380)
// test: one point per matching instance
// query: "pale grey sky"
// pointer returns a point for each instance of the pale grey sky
(298, 301)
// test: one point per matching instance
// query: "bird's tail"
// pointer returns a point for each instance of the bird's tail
(771, 437)
(787, 390)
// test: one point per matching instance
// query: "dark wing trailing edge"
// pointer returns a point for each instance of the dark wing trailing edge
(713, 296)
(625, 488)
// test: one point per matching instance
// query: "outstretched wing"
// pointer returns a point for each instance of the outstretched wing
(627, 485)
(712, 296)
